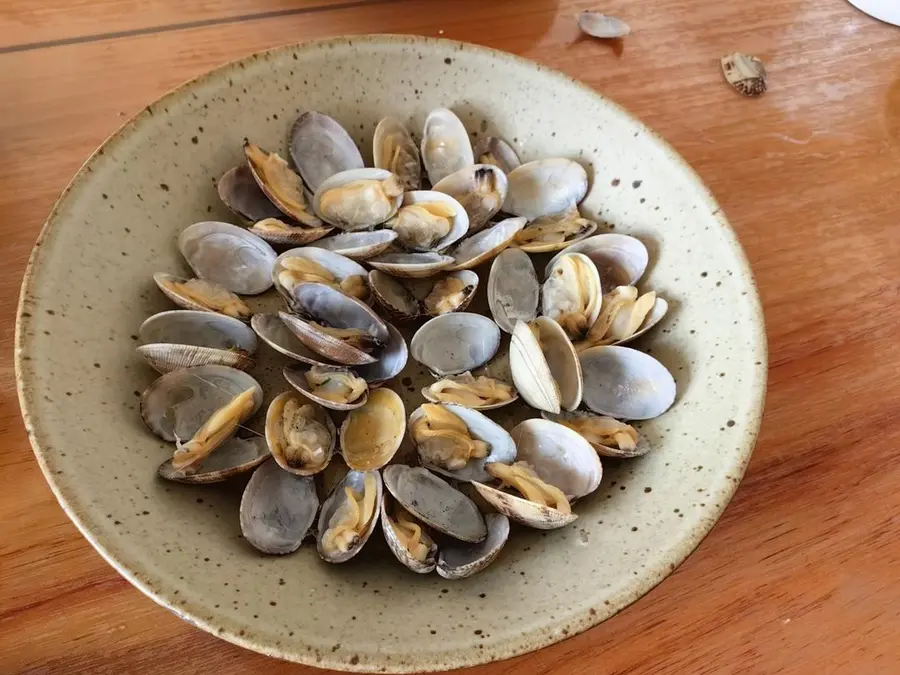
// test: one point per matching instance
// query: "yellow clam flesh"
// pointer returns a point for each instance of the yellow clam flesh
(447, 295)
(621, 315)
(351, 519)
(522, 478)
(601, 430)
(421, 226)
(281, 184)
(217, 429)
(360, 203)
(211, 296)
(338, 386)
(443, 439)
(571, 294)
(304, 442)
(297, 269)
(470, 391)
(410, 534)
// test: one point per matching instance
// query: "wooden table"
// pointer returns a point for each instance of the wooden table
(802, 575)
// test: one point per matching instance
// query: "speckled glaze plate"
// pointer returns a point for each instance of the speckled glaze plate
(89, 286)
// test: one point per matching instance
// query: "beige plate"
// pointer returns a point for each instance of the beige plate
(78, 373)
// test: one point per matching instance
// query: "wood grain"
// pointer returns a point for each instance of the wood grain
(802, 574)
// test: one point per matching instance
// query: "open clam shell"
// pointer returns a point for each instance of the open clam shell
(451, 344)
(338, 202)
(413, 234)
(397, 545)
(182, 339)
(545, 370)
(283, 233)
(461, 379)
(321, 148)
(178, 403)
(340, 267)
(480, 188)
(318, 435)
(278, 509)
(272, 330)
(358, 245)
(411, 265)
(481, 247)
(458, 561)
(528, 513)
(618, 315)
(482, 428)
(392, 362)
(572, 294)
(219, 300)
(578, 417)
(433, 296)
(435, 503)
(533, 237)
(625, 383)
(238, 190)
(394, 149)
(296, 377)
(445, 145)
(324, 306)
(234, 457)
(559, 456)
(228, 255)
(280, 184)
(621, 260)
(513, 290)
(371, 435)
(496, 151)
(544, 187)
(332, 511)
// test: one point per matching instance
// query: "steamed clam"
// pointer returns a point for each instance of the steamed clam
(229, 256)
(408, 538)
(513, 289)
(432, 296)
(554, 232)
(201, 295)
(445, 145)
(394, 149)
(481, 247)
(544, 187)
(429, 221)
(321, 148)
(458, 441)
(285, 233)
(280, 184)
(541, 505)
(479, 393)
(624, 315)
(332, 387)
(184, 338)
(358, 245)
(240, 192)
(620, 259)
(300, 434)
(608, 436)
(626, 384)
(349, 516)
(497, 152)
(358, 199)
(305, 265)
(480, 189)
(544, 366)
(234, 457)
(451, 344)
(571, 294)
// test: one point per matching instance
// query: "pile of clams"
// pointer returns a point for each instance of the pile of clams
(478, 266)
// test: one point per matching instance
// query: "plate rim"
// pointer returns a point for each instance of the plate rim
(529, 642)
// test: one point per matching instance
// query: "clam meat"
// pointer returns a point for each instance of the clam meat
(408, 539)
(480, 189)
(497, 152)
(301, 435)
(358, 199)
(607, 435)
(349, 516)
(624, 315)
(571, 294)
(202, 295)
(395, 150)
(522, 478)
(554, 232)
(280, 184)
(335, 385)
(295, 270)
(220, 426)
(478, 393)
(443, 439)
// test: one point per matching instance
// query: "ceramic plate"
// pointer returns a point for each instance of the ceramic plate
(89, 286)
